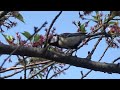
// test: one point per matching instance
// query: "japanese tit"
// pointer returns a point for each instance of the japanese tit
(67, 40)
(70, 40)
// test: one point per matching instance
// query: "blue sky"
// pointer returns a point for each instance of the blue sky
(64, 24)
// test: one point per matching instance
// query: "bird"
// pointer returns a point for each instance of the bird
(70, 40)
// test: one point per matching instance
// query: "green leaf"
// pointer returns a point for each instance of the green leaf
(82, 28)
(8, 37)
(36, 37)
(111, 22)
(27, 35)
(95, 18)
(20, 17)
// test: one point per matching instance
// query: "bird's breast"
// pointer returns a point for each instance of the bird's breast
(70, 42)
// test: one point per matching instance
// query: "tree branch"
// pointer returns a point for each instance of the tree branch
(49, 71)
(43, 25)
(42, 69)
(27, 66)
(85, 75)
(116, 60)
(62, 58)
(24, 67)
(11, 74)
(59, 72)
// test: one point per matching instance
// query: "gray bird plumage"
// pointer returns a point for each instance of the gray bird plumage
(70, 40)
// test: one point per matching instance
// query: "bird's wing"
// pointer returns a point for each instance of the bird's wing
(71, 34)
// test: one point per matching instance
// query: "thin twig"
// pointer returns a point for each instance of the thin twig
(16, 73)
(85, 75)
(104, 53)
(19, 61)
(27, 66)
(95, 46)
(116, 60)
(49, 71)
(11, 74)
(24, 60)
(81, 73)
(42, 69)
(59, 72)
(48, 31)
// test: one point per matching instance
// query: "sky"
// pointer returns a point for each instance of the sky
(62, 25)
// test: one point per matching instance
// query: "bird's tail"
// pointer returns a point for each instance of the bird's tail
(99, 34)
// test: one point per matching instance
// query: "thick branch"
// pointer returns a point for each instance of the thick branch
(54, 56)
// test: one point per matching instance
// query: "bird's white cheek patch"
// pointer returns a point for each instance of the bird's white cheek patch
(54, 39)
(69, 41)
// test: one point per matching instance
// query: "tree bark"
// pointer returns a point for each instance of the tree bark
(62, 58)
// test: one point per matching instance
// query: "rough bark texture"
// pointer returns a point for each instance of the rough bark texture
(72, 60)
